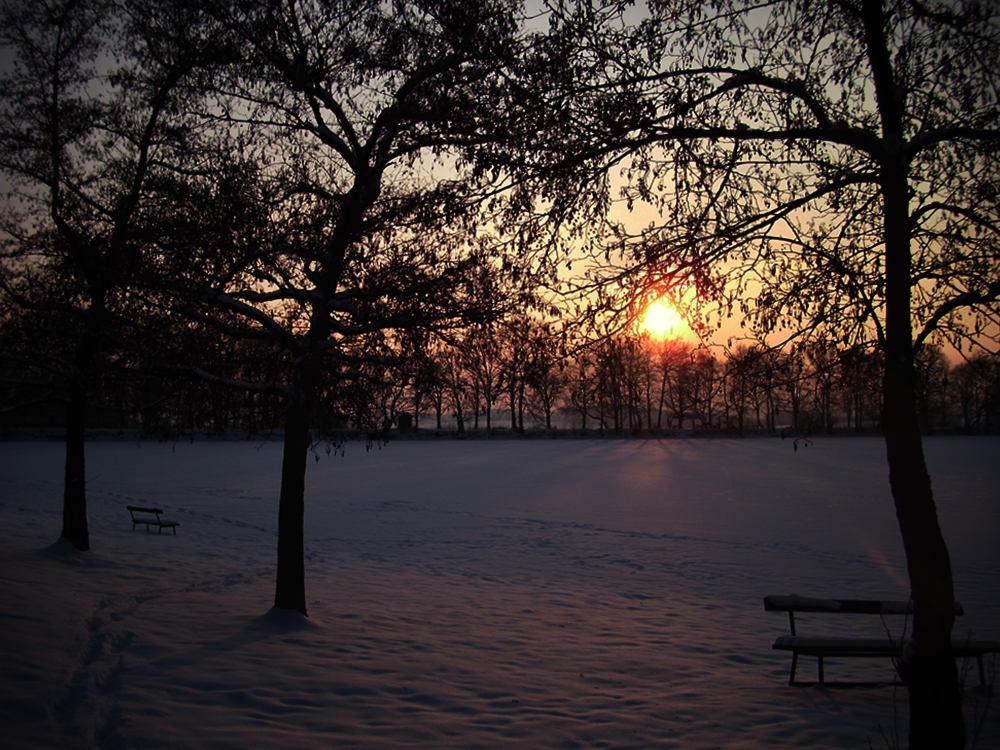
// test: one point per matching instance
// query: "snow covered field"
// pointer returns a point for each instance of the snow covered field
(480, 594)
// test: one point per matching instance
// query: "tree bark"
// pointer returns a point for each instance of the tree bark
(928, 666)
(75, 527)
(290, 583)
(513, 404)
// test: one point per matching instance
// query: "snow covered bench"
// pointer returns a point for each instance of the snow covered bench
(884, 646)
(150, 517)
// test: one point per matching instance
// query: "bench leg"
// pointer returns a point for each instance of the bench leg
(820, 670)
(795, 662)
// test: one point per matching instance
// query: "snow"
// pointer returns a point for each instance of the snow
(473, 594)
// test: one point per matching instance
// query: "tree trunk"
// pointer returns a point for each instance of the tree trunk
(290, 584)
(513, 404)
(928, 666)
(663, 397)
(75, 527)
(649, 399)
(520, 408)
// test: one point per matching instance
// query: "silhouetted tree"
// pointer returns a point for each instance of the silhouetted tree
(435, 381)
(741, 383)
(485, 366)
(669, 356)
(707, 385)
(545, 373)
(931, 386)
(834, 166)
(91, 115)
(976, 385)
(582, 387)
(358, 98)
(514, 334)
(456, 381)
(859, 374)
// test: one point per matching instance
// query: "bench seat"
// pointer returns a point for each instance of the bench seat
(812, 646)
(873, 647)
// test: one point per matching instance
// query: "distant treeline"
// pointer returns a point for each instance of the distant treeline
(523, 375)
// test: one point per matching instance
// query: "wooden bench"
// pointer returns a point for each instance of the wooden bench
(884, 646)
(150, 517)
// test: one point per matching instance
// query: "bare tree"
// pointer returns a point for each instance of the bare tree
(485, 367)
(92, 115)
(859, 372)
(545, 372)
(833, 165)
(581, 385)
(931, 367)
(707, 385)
(976, 387)
(354, 101)
(823, 168)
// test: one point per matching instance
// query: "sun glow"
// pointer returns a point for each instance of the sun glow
(662, 321)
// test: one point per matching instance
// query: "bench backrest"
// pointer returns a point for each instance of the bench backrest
(134, 509)
(796, 603)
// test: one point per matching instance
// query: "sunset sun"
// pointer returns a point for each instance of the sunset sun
(662, 321)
